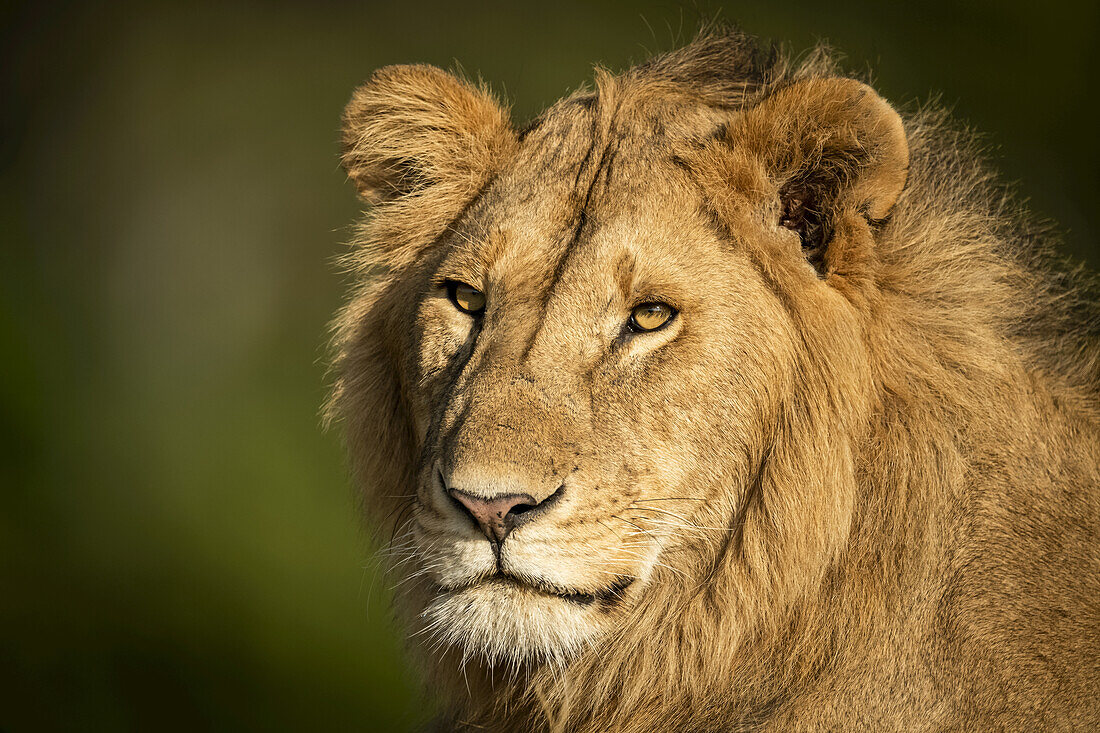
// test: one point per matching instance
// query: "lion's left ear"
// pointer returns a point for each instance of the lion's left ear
(411, 128)
(420, 144)
(827, 147)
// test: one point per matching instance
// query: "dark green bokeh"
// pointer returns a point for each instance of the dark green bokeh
(178, 545)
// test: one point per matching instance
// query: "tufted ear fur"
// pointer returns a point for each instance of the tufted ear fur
(830, 148)
(419, 144)
(411, 127)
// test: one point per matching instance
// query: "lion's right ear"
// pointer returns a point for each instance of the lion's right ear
(825, 158)
(835, 152)
(411, 128)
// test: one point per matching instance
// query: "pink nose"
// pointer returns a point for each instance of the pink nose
(496, 516)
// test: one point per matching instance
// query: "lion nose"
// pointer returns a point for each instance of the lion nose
(499, 515)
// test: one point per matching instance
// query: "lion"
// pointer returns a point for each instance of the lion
(722, 396)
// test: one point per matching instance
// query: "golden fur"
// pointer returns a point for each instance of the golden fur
(853, 484)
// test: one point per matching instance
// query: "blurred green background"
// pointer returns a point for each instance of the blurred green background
(179, 547)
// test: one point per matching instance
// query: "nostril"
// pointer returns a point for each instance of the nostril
(523, 513)
(522, 508)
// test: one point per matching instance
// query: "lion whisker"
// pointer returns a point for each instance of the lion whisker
(691, 526)
(663, 511)
(632, 524)
(671, 498)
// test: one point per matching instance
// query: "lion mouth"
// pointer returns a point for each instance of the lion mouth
(605, 597)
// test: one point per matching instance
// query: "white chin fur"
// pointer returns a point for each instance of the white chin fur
(506, 624)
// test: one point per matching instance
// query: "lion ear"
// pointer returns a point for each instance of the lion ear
(828, 146)
(414, 127)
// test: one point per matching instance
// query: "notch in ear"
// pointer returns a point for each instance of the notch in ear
(829, 147)
(414, 127)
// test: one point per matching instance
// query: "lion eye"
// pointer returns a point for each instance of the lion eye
(651, 316)
(466, 298)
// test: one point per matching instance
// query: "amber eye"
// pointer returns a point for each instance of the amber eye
(466, 298)
(651, 316)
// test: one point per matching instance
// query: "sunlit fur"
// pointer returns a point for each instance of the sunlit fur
(852, 485)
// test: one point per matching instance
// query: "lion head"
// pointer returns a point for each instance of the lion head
(590, 333)
(610, 377)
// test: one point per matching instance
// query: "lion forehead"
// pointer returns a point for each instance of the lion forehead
(609, 190)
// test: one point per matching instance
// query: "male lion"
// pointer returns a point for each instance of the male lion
(721, 397)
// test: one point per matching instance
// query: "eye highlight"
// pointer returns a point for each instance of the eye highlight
(466, 298)
(650, 317)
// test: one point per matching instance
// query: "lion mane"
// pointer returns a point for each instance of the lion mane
(877, 461)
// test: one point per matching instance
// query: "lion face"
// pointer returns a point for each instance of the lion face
(565, 387)
(567, 447)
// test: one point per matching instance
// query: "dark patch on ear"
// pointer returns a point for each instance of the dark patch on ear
(804, 212)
